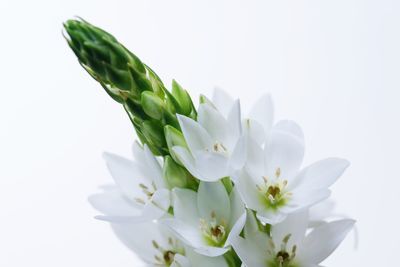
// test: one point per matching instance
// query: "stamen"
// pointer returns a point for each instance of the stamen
(278, 172)
(140, 200)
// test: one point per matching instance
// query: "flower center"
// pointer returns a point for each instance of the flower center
(282, 258)
(214, 232)
(165, 256)
(273, 192)
(147, 191)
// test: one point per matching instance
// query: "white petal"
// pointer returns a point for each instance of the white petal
(237, 206)
(211, 251)
(198, 260)
(113, 203)
(234, 124)
(187, 160)
(238, 156)
(213, 122)
(284, 151)
(295, 225)
(222, 101)
(236, 229)
(323, 240)
(154, 167)
(321, 211)
(181, 261)
(255, 130)
(212, 198)
(211, 166)
(195, 135)
(290, 127)
(249, 252)
(321, 174)
(138, 238)
(248, 191)
(126, 174)
(137, 150)
(161, 199)
(188, 233)
(152, 210)
(271, 217)
(302, 199)
(255, 158)
(185, 206)
(263, 112)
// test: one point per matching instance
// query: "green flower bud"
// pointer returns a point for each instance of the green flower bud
(177, 176)
(183, 99)
(152, 105)
(174, 138)
(154, 134)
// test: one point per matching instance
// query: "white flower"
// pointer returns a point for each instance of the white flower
(140, 193)
(271, 183)
(289, 244)
(157, 246)
(258, 122)
(206, 220)
(212, 142)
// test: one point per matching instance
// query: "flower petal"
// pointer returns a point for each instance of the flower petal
(213, 122)
(234, 124)
(250, 253)
(248, 191)
(263, 112)
(138, 237)
(180, 261)
(222, 101)
(187, 160)
(195, 135)
(285, 152)
(126, 174)
(155, 168)
(255, 130)
(321, 174)
(198, 260)
(113, 203)
(237, 207)
(236, 229)
(188, 233)
(185, 206)
(290, 127)
(295, 225)
(302, 199)
(323, 240)
(211, 166)
(212, 199)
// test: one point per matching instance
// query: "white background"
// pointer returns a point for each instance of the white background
(331, 65)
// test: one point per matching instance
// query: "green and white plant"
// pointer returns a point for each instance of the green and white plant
(207, 186)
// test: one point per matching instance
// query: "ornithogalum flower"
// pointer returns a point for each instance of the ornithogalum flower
(212, 142)
(157, 246)
(239, 196)
(257, 123)
(289, 244)
(140, 193)
(207, 220)
(272, 184)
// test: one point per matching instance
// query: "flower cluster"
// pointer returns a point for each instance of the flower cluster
(251, 203)
(208, 185)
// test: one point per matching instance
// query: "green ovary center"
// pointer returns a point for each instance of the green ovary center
(273, 193)
(214, 231)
